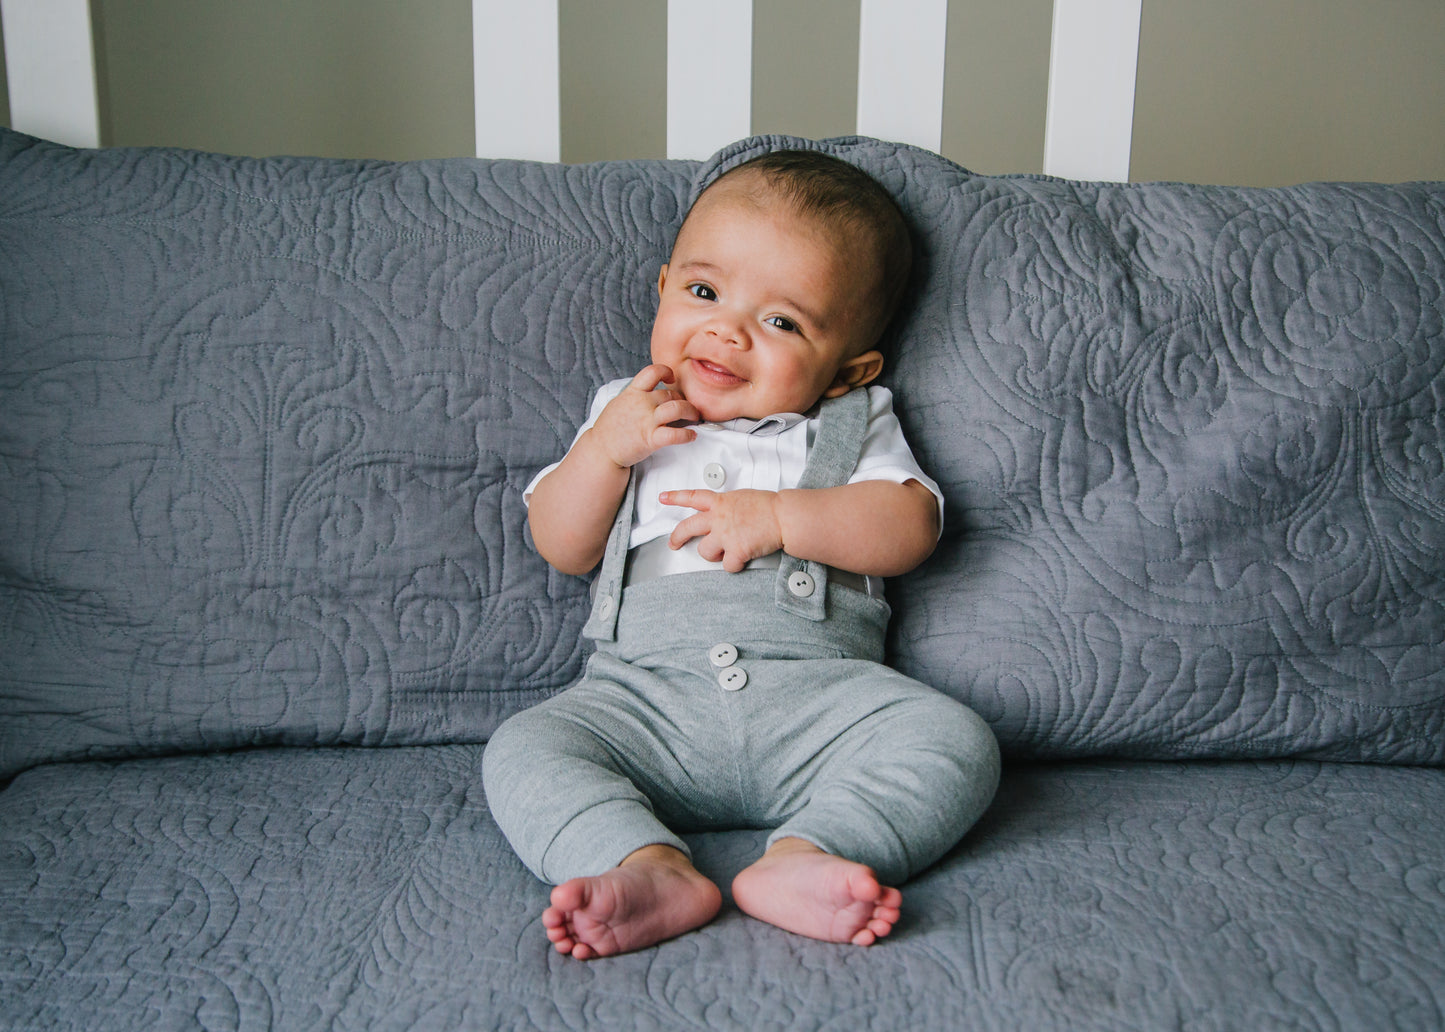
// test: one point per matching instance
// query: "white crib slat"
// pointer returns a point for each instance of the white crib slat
(50, 70)
(900, 70)
(515, 75)
(709, 75)
(1093, 64)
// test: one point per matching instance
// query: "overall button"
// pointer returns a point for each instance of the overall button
(606, 607)
(714, 475)
(801, 584)
(733, 678)
(723, 654)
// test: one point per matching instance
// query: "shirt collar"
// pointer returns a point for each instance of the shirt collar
(768, 427)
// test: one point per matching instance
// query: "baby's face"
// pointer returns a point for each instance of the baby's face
(760, 310)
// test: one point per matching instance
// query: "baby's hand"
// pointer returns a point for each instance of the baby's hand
(643, 419)
(735, 527)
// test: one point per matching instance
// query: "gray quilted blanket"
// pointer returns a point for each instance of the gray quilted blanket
(264, 426)
(369, 889)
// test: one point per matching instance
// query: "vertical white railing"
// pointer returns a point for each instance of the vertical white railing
(709, 75)
(516, 71)
(1093, 64)
(50, 70)
(900, 70)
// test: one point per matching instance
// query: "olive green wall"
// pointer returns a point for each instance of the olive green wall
(343, 78)
(1278, 91)
(613, 79)
(996, 83)
(1231, 91)
(805, 67)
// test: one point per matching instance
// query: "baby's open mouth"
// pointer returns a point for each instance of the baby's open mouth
(715, 373)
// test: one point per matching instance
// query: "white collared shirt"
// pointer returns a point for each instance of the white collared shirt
(768, 455)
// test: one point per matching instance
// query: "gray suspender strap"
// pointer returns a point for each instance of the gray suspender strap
(802, 586)
(607, 593)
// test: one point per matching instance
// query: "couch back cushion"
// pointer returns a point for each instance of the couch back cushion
(264, 426)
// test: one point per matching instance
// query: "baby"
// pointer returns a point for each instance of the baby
(744, 494)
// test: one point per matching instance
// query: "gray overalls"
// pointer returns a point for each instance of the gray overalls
(753, 699)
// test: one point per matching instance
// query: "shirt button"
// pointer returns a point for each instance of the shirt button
(605, 607)
(801, 584)
(733, 678)
(723, 654)
(714, 475)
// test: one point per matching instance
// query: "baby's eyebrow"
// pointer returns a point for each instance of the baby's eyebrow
(697, 266)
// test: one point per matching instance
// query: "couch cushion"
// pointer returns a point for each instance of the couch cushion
(368, 888)
(264, 426)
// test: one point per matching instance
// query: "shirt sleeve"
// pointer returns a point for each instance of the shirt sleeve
(604, 394)
(886, 454)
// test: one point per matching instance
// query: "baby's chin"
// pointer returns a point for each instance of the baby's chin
(720, 410)
(721, 414)
(732, 404)
(713, 410)
(724, 413)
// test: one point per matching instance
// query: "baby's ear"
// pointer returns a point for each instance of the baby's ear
(856, 372)
(661, 280)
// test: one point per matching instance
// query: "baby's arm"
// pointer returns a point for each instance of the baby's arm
(875, 527)
(573, 507)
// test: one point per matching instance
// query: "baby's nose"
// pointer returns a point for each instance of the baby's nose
(731, 330)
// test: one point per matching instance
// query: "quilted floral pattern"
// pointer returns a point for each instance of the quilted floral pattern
(1192, 434)
(264, 427)
(368, 889)
(265, 431)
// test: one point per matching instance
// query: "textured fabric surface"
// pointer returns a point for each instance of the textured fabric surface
(1194, 439)
(368, 889)
(264, 427)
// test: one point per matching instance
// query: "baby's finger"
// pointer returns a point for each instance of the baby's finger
(666, 436)
(651, 376)
(677, 412)
(693, 526)
(712, 550)
(693, 499)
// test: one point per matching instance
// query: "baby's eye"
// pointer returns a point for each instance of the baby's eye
(703, 291)
(782, 322)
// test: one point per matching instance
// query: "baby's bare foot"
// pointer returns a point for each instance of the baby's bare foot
(652, 895)
(800, 888)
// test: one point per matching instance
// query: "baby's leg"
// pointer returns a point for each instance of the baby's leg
(800, 888)
(898, 788)
(565, 783)
(562, 781)
(654, 894)
(882, 797)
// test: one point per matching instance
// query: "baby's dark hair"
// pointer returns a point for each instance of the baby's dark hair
(836, 192)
